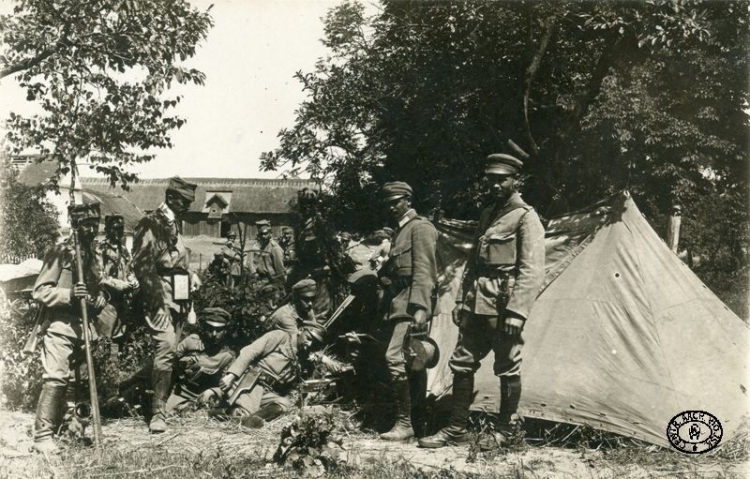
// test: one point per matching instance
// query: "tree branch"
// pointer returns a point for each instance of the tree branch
(531, 72)
(27, 63)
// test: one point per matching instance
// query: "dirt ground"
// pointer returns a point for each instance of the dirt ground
(202, 437)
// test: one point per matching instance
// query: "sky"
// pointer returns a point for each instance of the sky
(249, 58)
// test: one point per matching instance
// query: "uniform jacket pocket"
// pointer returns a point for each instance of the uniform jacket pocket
(499, 249)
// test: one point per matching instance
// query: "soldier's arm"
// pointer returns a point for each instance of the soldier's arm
(530, 265)
(277, 255)
(46, 289)
(256, 351)
(144, 267)
(424, 265)
(469, 273)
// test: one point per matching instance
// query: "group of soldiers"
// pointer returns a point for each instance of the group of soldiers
(501, 280)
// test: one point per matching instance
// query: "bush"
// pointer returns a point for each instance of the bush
(20, 374)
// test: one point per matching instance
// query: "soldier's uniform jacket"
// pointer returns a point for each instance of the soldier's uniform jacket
(285, 319)
(232, 253)
(158, 252)
(274, 353)
(411, 269)
(505, 269)
(54, 283)
(269, 260)
(200, 369)
(290, 252)
(116, 271)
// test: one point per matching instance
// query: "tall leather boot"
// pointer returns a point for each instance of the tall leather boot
(508, 423)
(455, 432)
(162, 385)
(48, 415)
(402, 430)
(418, 385)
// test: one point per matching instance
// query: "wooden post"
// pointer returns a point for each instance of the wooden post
(673, 228)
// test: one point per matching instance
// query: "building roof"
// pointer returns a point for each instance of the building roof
(248, 195)
(33, 173)
(113, 204)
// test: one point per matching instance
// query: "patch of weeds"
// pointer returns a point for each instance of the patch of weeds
(309, 445)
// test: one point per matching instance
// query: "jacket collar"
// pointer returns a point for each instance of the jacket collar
(408, 216)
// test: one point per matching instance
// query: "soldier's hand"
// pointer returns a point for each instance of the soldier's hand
(420, 318)
(161, 321)
(513, 325)
(458, 314)
(79, 291)
(206, 397)
(195, 283)
(99, 302)
(133, 284)
(227, 381)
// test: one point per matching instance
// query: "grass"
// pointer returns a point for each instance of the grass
(204, 448)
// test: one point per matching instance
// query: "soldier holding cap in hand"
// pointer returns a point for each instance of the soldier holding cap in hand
(409, 275)
(502, 278)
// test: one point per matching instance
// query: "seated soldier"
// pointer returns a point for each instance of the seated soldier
(202, 359)
(288, 317)
(265, 373)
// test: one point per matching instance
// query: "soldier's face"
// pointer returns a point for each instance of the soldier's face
(305, 304)
(397, 208)
(177, 203)
(264, 237)
(500, 186)
(213, 334)
(87, 230)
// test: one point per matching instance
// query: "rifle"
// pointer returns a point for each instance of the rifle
(40, 318)
(93, 395)
(245, 383)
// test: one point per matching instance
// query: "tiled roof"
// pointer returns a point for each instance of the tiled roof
(248, 195)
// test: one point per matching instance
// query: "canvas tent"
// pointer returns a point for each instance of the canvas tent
(623, 336)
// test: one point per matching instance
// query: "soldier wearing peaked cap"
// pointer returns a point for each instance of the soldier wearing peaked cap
(160, 262)
(502, 278)
(119, 282)
(290, 317)
(203, 358)
(410, 275)
(273, 360)
(59, 289)
(268, 260)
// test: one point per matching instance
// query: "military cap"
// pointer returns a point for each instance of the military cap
(231, 234)
(113, 220)
(182, 188)
(218, 254)
(216, 317)
(306, 288)
(394, 190)
(316, 330)
(285, 229)
(502, 164)
(81, 212)
(388, 230)
(261, 223)
(345, 236)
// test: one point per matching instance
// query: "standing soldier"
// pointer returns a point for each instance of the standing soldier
(234, 255)
(160, 262)
(502, 278)
(268, 260)
(409, 276)
(203, 359)
(117, 281)
(287, 244)
(59, 289)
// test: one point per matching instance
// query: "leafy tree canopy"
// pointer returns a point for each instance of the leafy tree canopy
(28, 221)
(100, 71)
(601, 96)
